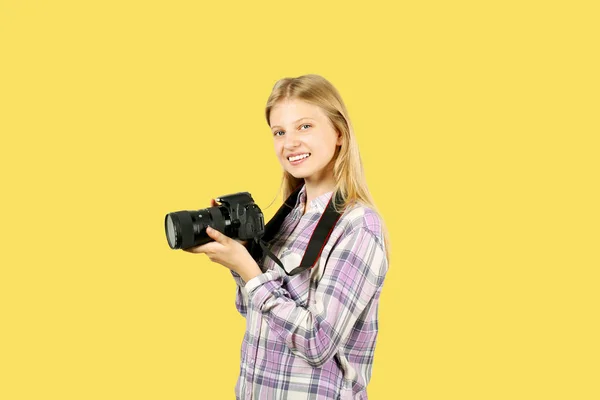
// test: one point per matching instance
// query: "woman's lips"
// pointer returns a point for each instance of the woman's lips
(299, 161)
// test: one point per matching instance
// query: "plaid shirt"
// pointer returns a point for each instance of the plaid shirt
(312, 335)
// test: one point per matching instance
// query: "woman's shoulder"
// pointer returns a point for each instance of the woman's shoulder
(361, 216)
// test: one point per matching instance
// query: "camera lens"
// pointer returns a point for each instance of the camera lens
(185, 229)
(179, 228)
(171, 232)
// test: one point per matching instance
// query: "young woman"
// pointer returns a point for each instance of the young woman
(310, 335)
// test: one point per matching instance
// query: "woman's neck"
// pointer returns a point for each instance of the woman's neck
(316, 189)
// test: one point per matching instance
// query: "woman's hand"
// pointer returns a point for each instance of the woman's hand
(228, 252)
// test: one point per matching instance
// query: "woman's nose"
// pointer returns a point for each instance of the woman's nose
(290, 142)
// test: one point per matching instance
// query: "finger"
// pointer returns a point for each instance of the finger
(217, 236)
(242, 242)
(213, 202)
(205, 248)
(195, 250)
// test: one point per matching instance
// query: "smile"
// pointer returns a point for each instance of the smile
(298, 158)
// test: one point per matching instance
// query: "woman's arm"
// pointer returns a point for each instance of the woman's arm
(353, 276)
(241, 297)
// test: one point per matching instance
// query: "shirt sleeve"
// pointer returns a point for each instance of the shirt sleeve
(241, 297)
(353, 276)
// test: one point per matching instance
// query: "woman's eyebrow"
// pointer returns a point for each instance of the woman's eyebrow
(295, 122)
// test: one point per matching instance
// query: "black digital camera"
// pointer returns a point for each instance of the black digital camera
(237, 217)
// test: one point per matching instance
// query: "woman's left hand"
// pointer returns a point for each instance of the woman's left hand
(229, 253)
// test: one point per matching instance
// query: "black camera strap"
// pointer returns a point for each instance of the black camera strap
(317, 240)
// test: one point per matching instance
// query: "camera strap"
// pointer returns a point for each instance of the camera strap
(317, 240)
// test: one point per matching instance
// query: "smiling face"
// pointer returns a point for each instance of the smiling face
(305, 140)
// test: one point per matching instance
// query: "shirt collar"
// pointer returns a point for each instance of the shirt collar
(318, 204)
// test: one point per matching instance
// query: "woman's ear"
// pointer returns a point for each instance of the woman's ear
(339, 139)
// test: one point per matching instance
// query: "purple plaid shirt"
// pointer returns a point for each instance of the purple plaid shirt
(312, 335)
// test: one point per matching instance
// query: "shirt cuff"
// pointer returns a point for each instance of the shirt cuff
(257, 281)
(238, 278)
(261, 286)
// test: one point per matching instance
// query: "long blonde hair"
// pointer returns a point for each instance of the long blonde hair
(350, 181)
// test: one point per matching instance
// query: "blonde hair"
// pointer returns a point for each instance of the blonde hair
(349, 176)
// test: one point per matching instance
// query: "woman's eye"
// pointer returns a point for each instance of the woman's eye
(281, 133)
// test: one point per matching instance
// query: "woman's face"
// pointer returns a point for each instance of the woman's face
(305, 141)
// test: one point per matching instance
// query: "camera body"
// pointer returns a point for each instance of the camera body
(247, 220)
(237, 217)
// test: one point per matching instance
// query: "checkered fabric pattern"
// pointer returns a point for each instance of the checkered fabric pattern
(312, 336)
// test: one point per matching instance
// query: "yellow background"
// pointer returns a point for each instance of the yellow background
(478, 128)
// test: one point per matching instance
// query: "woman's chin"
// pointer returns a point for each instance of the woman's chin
(297, 175)
(297, 171)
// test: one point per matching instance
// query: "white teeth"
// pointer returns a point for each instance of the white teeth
(299, 157)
